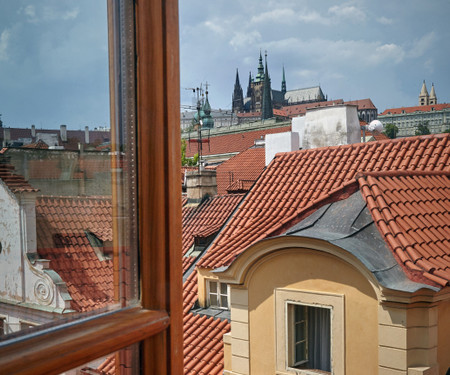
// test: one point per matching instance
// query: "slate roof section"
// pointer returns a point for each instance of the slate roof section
(233, 142)
(421, 108)
(241, 171)
(298, 179)
(61, 223)
(412, 212)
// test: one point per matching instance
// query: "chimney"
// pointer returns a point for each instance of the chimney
(200, 185)
(63, 133)
(6, 136)
(86, 135)
(33, 131)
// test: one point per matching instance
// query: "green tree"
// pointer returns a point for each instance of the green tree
(185, 161)
(423, 129)
(391, 130)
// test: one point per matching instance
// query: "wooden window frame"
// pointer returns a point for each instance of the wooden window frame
(219, 294)
(157, 323)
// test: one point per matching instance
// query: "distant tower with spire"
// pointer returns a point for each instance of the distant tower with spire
(283, 83)
(423, 96)
(267, 109)
(433, 98)
(238, 96)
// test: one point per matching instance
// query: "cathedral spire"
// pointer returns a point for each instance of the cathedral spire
(249, 87)
(238, 96)
(267, 110)
(260, 76)
(283, 83)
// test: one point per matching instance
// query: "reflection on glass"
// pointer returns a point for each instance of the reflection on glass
(66, 191)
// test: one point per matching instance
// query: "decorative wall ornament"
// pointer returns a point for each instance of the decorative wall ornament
(43, 292)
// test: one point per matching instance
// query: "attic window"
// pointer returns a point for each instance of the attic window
(103, 249)
(217, 294)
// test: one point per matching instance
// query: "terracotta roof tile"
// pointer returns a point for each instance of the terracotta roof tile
(61, 225)
(421, 108)
(413, 213)
(14, 182)
(241, 171)
(234, 142)
(275, 200)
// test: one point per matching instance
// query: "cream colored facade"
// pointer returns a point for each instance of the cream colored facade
(374, 330)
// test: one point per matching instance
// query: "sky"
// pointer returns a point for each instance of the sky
(54, 62)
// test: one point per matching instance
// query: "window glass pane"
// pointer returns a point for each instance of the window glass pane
(213, 287)
(223, 288)
(213, 300)
(300, 350)
(67, 170)
(223, 301)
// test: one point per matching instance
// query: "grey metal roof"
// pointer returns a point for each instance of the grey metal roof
(302, 95)
(349, 225)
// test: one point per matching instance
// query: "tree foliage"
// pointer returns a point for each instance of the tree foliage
(391, 130)
(185, 161)
(423, 129)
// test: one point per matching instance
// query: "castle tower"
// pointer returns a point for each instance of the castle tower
(267, 109)
(423, 96)
(433, 98)
(238, 96)
(283, 83)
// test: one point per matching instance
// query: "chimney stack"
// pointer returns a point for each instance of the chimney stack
(6, 136)
(200, 185)
(63, 133)
(86, 135)
(33, 131)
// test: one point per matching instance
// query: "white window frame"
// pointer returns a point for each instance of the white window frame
(335, 302)
(219, 294)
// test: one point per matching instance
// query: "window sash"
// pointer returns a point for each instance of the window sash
(158, 322)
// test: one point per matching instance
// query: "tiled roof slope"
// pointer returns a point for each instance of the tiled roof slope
(61, 223)
(203, 344)
(300, 109)
(362, 103)
(234, 142)
(297, 179)
(421, 108)
(15, 183)
(206, 219)
(246, 167)
(412, 212)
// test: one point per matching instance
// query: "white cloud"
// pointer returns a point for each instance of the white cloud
(347, 12)
(215, 27)
(421, 46)
(4, 39)
(276, 15)
(46, 13)
(242, 39)
(385, 21)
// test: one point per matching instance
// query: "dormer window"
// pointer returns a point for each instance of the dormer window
(217, 294)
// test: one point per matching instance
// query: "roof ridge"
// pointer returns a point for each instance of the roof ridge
(396, 173)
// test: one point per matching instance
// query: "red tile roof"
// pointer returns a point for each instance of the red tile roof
(412, 212)
(203, 344)
(421, 108)
(15, 183)
(61, 223)
(242, 170)
(297, 179)
(233, 143)
(300, 109)
(362, 103)
(205, 219)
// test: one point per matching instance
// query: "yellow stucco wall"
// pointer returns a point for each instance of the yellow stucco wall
(443, 336)
(312, 271)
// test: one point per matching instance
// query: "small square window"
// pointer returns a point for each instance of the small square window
(218, 294)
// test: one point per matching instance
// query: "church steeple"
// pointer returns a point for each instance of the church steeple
(433, 98)
(249, 87)
(423, 96)
(238, 96)
(267, 110)
(260, 76)
(283, 83)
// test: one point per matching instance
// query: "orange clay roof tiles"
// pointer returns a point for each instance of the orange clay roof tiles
(297, 179)
(61, 223)
(203, 344)
(235, 142)
(15, 183)
(421, 108)
(201, 220)
(241, 171)
(412, 212)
